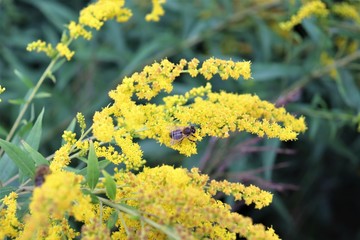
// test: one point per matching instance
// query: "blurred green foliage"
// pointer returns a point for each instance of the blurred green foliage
(315, 180)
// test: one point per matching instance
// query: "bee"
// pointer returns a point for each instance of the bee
(41, 172)
(180, 133)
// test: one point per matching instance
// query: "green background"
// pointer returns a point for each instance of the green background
(315, 180)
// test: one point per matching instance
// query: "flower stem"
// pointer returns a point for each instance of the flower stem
(29, 100)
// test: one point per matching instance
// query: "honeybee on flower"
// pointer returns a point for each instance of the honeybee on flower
(180, 133)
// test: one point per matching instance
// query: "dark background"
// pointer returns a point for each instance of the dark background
(315, 180)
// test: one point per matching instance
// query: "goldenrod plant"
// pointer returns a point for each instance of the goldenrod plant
(98, 183)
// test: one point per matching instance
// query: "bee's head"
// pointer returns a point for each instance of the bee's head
(192, 129)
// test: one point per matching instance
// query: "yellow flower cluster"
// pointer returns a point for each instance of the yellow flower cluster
(101, 11)
(307, 10)
(93, 16)
(81, 120)
(168, 195)
(69, 137)
(96, 14)
(41, 46)
(157, 11)
(251, 194)
(95, 230)
(225, 68)
(64, 51)
(9, 224)
(211, 114)
(59, 196)
(61, 158)
(347, 10)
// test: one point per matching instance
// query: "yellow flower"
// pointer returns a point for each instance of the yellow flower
(347, 10)
(81, 120)
(101, 11)
(103, 127)
(93, 16)
(225, 68)
(59, 230)
(108, 153)
(131, 152)
(69, 137)
(251, 194)
(212, 114)
(95, 230)
(61, 158)
(83, 146)
(41, 46)
(168, 194)
(9, 224)
(192, 67)
(59, 196)
(307, 10)
(77, 30)
(64, 51)
(157, 11)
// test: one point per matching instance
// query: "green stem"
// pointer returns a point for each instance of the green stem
(46, 73)
(29, 100)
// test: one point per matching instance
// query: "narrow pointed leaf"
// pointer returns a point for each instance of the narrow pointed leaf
(19, 157)
(35, 155)
(93, 172)
(110, 185)
(43, 95)
(18, 101)
(102, 165)
(34, 136)
(112, 220)
(24, 79)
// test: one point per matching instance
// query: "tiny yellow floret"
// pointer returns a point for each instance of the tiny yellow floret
(157, 11)
(64, 51)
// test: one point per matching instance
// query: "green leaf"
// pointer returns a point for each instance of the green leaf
(110, 185)
(8, 168)
(58, 65)
(112, 220)
(19, 157)
(18, 101)
(34, 136)
(43, 95)
(51, 77)
(3, 132)
(93, 172)
(102, 164)
(35, 155)
(24, 79)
